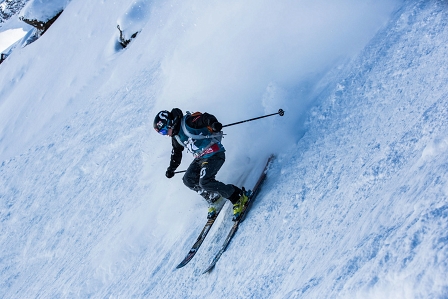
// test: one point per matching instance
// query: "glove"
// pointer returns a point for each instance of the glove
(169, 173)
(216, 126)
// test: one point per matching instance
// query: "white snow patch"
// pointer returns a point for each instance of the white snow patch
(42, 10)
(9, 37)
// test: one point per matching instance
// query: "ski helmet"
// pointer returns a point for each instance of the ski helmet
(162, 122)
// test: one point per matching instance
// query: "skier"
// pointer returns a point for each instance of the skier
(200, 134)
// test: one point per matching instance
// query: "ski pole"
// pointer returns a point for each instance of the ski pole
(280, 112)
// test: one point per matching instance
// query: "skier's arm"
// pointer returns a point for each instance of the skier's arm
(176, 158)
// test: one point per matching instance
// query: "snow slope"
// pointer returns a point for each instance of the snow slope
(355, 205)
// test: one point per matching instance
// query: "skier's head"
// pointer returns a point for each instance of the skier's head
(163, 122)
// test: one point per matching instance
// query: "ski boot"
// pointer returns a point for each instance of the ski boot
(215, 206)
(240, 205)
(211, 212)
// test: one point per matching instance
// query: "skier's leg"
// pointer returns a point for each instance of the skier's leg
(207, 181)
(191, 180)
(191, 176)
(209, 169)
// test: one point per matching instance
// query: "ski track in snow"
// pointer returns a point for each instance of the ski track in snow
(356, 208)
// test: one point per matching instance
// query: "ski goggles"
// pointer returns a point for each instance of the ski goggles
(163, 131)
(162, 128)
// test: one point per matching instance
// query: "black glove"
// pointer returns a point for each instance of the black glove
(216, 126)
(169, 173)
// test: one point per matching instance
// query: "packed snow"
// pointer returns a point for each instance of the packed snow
(354, 205)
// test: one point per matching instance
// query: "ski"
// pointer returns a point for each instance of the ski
(199, 240)
(236, 224)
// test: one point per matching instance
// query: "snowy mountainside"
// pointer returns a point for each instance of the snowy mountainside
(355, 205)
(383, 195)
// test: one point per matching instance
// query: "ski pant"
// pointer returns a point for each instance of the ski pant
(200, 177)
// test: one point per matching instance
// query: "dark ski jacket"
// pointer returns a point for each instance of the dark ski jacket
(197, 122)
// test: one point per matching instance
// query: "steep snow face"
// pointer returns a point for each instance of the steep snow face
(370, 176)
(55, 73)
(211, 54)
(355, 204)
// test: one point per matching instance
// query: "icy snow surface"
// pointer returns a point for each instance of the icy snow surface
(354, 206)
